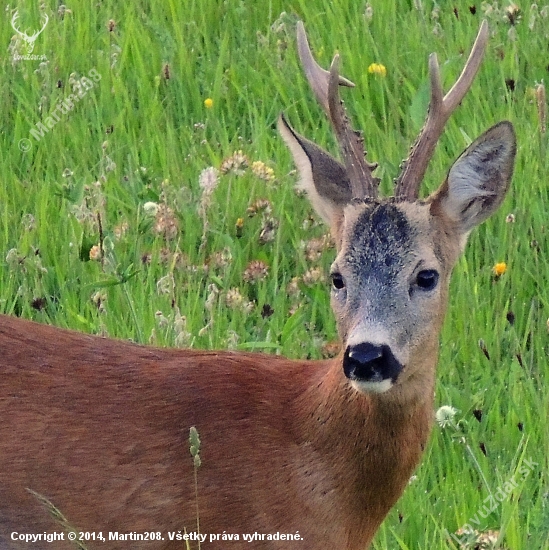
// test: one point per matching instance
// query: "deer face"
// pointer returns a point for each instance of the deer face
(389, 287)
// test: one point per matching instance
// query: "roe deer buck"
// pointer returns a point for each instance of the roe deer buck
(323, 448)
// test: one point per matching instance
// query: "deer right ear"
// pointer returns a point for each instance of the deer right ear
(321, 176)
(479, 179)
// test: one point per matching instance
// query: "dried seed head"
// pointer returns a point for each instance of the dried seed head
(484, 349)
(268, 230)
(161, 319)
(315, 247)
(233, 298)
(166, 223)
(121, 229)
(28, 222)
(220, 259)
(292, 288)
(512, 13)
(182, 337)
(260, 205)
(236, 301)
(232, 340)
(313, 276)
(255, 271)
(213, 293)
(98, 299)
(174, 260)
(542, 107)
(166, 284)
(95, 253)
(236, 163)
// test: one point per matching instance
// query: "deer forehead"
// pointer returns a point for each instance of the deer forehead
(386, 238)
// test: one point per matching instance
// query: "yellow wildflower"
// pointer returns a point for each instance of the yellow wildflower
(239, 225)
(377, 68)
(208, 103)
(499, 269)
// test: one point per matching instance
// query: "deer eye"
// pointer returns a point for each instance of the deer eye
(337, 281)
(427, 279)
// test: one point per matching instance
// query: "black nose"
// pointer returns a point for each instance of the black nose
(368, 362)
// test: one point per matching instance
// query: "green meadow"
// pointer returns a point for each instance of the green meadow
(145, 194)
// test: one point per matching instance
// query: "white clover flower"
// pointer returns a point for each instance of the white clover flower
(150, 208)
(445, 416)
(208, 180)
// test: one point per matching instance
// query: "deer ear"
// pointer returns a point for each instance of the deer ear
(479, 179)
(322, 176)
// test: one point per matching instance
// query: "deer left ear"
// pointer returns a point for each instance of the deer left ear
(323, 178)
(479, 179)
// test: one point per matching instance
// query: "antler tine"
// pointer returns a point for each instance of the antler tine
(317, 77)
(440, 109)
(325, 85)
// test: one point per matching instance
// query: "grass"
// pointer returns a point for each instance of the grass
(144, 134)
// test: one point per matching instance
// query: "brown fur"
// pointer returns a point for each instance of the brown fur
(100, 428)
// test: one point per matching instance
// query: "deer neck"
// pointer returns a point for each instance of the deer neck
(371, 442)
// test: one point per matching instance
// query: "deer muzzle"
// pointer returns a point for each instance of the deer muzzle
(371, 365)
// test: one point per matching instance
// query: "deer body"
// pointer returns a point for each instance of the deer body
(324, 448)
(100, 427)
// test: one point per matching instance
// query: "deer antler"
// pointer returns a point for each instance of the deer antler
(325, 87)
(440, 109)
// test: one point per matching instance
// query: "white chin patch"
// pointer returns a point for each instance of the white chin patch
(372, 387)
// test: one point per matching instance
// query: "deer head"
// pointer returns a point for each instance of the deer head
(29, 40)
(395, 255)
